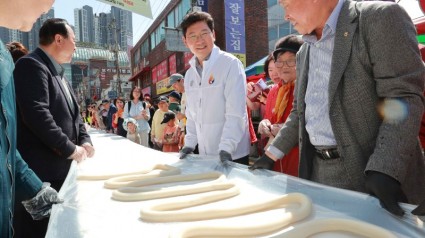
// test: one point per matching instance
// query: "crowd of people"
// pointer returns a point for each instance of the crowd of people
(152, 122)
(328, 113)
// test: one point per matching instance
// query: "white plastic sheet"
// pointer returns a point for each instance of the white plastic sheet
(89, 211)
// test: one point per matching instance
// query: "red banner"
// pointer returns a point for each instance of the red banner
(187, 56)
(162, 70)
(154, 75)
(172, 64)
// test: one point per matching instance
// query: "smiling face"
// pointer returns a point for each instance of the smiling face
(21, 14)
(179, 86)
(273, 72)
(131, 127)
(163, 106)
(199, 39)
(136, 93)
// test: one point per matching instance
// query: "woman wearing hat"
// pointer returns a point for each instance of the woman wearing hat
(170, 137)
(282, 70)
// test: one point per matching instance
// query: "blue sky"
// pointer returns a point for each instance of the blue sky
(65, 9)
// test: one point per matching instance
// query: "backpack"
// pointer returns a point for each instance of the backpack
(129, 106)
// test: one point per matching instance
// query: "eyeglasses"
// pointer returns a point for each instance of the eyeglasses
(288, 63)
(195, 38)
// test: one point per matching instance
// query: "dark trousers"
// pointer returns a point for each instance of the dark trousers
(244, 160)
(23, 224)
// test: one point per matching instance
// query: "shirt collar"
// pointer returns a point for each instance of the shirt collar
(333, 18)
(330, 25)
(58, 67)
(198, 65)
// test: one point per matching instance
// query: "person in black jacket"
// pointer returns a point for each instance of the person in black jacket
(50, 131)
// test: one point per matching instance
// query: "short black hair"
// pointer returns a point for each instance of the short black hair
(50, 28)
(195, 17)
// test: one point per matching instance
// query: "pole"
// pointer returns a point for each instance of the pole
(115, 49)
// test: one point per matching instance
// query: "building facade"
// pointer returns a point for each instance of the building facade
(160, 51)
(84, 24)
(278, 27)
(94, 75)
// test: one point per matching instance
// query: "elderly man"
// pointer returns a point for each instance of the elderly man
(358, 102)
(51, 133)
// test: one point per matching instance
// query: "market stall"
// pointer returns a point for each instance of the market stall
(89, 211)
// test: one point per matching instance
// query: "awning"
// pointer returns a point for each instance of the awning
(134, 77)
(420, 25)
(256, 68)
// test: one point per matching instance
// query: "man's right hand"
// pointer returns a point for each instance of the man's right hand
(387, 190)
(419, 210)
(264, 162)
(264, 127)
(79, 154)
(185, 151)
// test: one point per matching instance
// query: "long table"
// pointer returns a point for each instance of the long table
(89, 211)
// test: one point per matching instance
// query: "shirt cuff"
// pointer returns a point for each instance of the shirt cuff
(275, 151)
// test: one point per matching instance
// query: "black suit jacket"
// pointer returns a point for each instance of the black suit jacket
(49, 125)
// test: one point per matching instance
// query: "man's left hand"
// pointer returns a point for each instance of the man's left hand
(40, 206)
(89, 149)
(387, 190)
(225, 156)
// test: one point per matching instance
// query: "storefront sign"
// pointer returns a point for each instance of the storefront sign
(154, 75)
(146, 90)
(235, 27)
(187, 56)
(172, 64)
(161, 86)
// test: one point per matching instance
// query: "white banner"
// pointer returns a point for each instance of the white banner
(142, 7)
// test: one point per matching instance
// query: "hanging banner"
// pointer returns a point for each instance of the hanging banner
(235, 28)
(162, 86)
(203, 4)
(142, 7)
(172, 64)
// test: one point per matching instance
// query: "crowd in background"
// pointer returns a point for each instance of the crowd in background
(155, 123)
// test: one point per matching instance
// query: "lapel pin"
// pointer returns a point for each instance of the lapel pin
(345, 34)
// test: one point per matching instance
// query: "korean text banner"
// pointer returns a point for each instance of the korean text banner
(142, 7)
(235, 27)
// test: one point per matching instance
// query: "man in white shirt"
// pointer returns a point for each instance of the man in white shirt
(215, 87)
